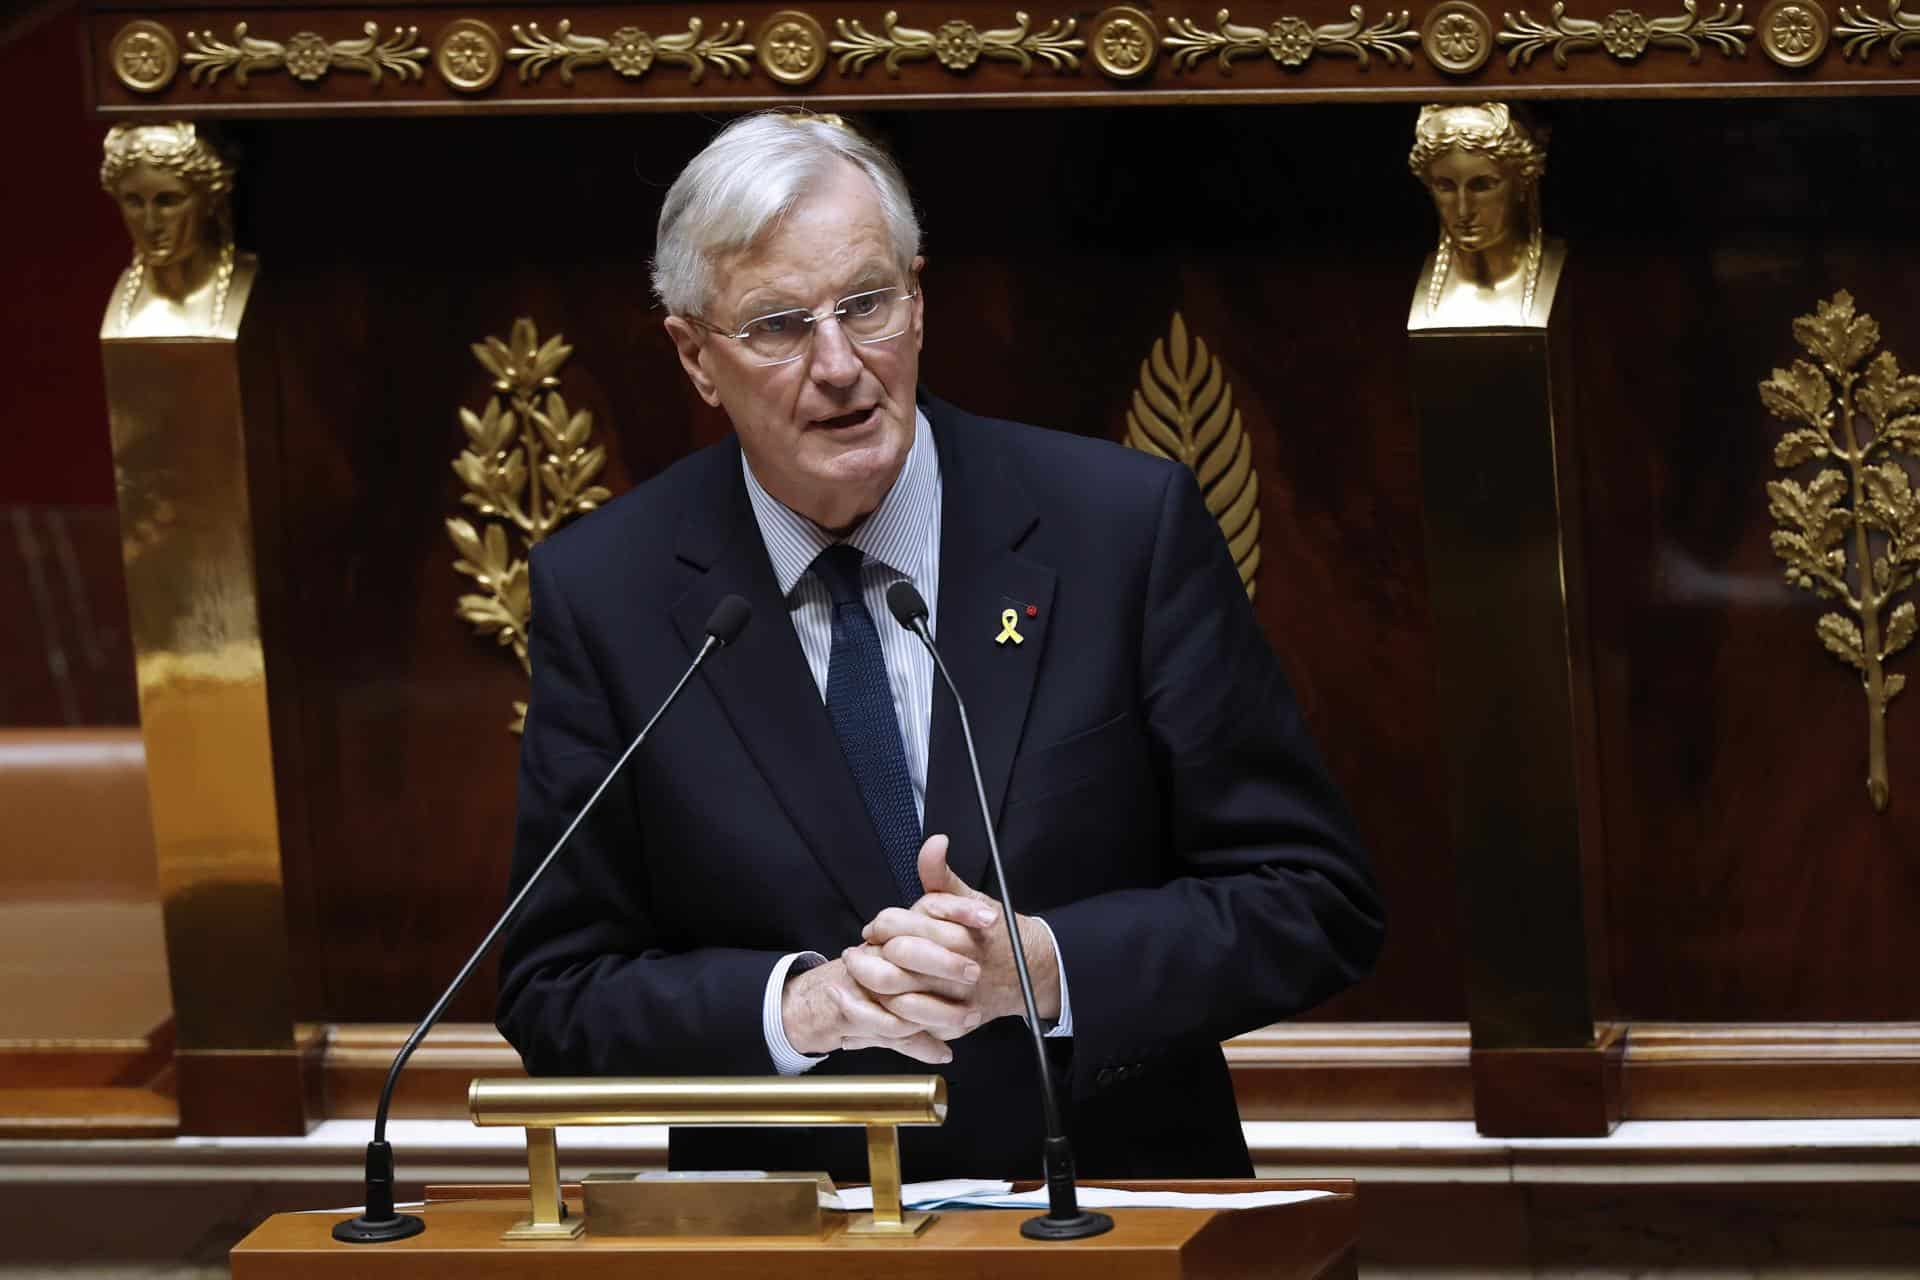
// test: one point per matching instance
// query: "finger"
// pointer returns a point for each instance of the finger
(933, 865)
(930, 959)
(866, 1018)
(977, 912)
(922, 1047)
(936, 876)
(947, 1018)
(896, 922)
(879, 975)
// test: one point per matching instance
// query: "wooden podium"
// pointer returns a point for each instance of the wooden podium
(1310, 1240)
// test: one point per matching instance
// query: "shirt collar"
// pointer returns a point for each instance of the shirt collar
(896, 534)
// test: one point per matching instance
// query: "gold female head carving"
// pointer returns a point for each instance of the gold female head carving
(1486, 129)
(1482, 168)
(172, 186)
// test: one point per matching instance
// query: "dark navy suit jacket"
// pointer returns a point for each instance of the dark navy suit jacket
(1158, 801)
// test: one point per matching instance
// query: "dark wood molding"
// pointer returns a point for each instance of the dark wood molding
(1338, 1071)
(434, 1085)
(1257, 73)
(59, 1113)
(1702, 1071)
(252, 1092)
(1551, 1092)
(1353, 1071)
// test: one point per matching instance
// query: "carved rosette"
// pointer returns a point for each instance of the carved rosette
(1625, 33)
(1124, 42)
(1457, 37)
(469, 55)
(1291, 41)
(306, 55)
(630, 51)
(957, 44)
(1862, 31)
(793, 47)
(1794, 32)
(144, 56)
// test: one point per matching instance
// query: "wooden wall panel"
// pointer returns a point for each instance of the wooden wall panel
(1060, 244)
(1746, 876)
(1749, 877)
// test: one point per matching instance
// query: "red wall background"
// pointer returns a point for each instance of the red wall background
(60, 249)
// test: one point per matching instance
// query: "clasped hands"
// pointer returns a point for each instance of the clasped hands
(922, 975)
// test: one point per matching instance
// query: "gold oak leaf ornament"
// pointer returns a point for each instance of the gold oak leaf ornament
(1852, 532)
(528, 468)
(1183, 410)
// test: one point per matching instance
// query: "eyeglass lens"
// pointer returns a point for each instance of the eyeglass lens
(873, 316)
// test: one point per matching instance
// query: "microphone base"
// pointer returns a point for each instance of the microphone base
(1077, 1227)
(365, 1230)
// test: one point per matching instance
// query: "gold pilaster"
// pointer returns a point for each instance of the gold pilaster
(1487, 328)
(174, 343)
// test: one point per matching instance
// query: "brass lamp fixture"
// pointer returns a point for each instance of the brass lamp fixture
(881, 1103)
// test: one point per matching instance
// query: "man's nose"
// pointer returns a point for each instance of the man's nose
(835, 362)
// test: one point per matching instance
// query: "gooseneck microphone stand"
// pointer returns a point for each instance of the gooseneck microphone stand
(1064, 1218)
(379, 1222)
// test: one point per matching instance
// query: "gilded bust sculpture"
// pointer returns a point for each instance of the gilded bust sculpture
(174, 188)
(1493, 268)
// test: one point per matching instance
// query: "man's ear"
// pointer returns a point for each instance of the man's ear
(691, 345)
(919, 303)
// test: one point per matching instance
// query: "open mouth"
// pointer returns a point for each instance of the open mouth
(857, 418)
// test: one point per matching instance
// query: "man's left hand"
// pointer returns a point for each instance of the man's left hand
(949, 957)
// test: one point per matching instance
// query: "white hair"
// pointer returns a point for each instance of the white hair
(746, 180)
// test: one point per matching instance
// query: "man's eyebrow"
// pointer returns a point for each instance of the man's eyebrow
(767, 299)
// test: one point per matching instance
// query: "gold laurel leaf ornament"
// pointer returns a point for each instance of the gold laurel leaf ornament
(1183, 410)
(529, 466)
(1851, 532)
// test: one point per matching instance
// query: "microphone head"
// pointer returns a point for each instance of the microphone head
(728, 619)
(905, 604)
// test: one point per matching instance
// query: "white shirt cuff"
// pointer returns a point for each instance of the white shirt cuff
(1064, 1026)
(787, 1060)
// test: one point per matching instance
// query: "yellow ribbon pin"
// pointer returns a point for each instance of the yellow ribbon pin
(1009, 628)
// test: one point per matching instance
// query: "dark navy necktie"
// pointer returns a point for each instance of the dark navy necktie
(860, 704)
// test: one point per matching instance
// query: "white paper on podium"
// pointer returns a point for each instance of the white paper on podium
(916, 1195)
(978, 1193)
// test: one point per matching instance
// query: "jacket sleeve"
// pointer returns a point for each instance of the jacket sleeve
(586, 988)
(1268, 906)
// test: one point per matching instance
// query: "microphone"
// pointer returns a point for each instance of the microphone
(379, 1223)
(1064, 1218)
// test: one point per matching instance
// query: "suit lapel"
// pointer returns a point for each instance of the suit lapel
(985, 515)
(767, 693)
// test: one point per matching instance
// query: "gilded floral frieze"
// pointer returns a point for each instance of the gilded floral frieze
(630, 51)
(956, 44)
(1624, 34)
(306, 55)
(470, 54)
(1291, 41)
(1861, 31)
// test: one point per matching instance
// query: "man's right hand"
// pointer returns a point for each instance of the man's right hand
(824, 1009)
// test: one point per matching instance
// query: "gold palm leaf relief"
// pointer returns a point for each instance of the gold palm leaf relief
(1183, 410)
(1851, 533)
(529, 466)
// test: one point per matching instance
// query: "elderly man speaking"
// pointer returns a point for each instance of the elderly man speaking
(788, 875)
